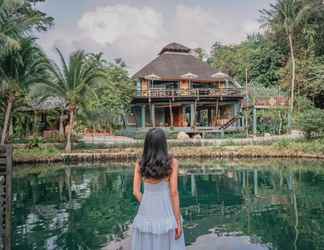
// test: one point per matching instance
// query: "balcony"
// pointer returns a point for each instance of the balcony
(199, 92)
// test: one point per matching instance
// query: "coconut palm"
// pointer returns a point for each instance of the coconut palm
(73, 82)
(287, 16)
(19, 70)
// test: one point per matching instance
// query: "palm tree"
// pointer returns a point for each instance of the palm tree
(287, 16)
(73, 82)
(17, 20)
(19, 70)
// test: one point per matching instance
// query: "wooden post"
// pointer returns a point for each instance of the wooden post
(210, 119)
(171, 114)
(6, 172)
(216, 113)
(254, 121)
(153, 115)
(246, 119)
(184, 116)
(143, 116)
(192, 115)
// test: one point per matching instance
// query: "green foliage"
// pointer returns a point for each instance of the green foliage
(282, 144)
(311, 121)
(17, 19)
(21, 68)
(313, 146)
(113, 96)
(272, 121)
(41, 152)
(35, 142)
(259, 56)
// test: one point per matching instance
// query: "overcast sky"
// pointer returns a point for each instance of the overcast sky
(136, 30)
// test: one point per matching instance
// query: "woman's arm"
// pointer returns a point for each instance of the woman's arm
(175, 196)
(137, 183)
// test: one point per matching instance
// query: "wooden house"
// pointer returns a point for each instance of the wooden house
(178, 90)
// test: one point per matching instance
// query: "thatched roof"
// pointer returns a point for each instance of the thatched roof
(175, 62)
(49, 103)
(175, 47)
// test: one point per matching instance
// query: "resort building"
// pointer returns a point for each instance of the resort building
(180, 91)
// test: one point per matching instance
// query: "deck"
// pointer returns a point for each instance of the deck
(191, 93)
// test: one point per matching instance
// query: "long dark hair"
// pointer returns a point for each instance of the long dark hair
(156, 161)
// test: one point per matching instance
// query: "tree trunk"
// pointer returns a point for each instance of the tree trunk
(292, 93)
(11, 100)
(68, 147)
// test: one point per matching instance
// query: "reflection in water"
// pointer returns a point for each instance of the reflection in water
(224, 207)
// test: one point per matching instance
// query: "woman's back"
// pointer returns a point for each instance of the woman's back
(155, 214)
(157, 225)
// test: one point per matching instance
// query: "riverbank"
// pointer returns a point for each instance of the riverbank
(282, 148)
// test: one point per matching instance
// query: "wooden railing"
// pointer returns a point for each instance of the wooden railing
(5, 196)
(201, 92)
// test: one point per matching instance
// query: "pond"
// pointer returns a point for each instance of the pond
(232, 205)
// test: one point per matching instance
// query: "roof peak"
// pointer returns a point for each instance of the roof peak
(175, 47)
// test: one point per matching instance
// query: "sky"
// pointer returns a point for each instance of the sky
(136, 30)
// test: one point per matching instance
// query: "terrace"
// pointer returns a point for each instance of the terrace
(194, 92)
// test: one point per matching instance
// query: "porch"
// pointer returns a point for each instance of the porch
(187, 116)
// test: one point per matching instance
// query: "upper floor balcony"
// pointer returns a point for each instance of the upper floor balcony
(193, 92)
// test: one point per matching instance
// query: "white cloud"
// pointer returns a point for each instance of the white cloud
(137, 34)
(111, 23)
(195, 26)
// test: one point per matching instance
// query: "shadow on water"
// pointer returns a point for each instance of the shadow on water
(232, 205)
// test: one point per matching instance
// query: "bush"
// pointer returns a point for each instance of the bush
(283, 144)
(272, 121)
(311, 121)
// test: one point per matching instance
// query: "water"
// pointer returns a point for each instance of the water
(226, 205)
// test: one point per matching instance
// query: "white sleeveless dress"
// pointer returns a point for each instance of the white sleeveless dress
(154, 225)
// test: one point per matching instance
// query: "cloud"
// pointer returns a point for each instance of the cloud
(137, 34)
(194, 26)
(112, 23)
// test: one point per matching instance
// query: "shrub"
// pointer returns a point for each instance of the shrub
(311, 121)
(283, 143)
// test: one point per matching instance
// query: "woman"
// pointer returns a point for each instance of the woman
(157, 225)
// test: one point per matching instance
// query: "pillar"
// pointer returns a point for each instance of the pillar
(143, 116)
(192, 114)
(153, 115)
(254, 121)
(184, 116)
(236, 112)
(210, 117)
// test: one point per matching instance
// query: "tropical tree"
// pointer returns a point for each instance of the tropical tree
(19, 70)
(17, 19)
(114, 95)
(72, 81)
(287, 16)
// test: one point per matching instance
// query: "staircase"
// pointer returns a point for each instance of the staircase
(229, 123)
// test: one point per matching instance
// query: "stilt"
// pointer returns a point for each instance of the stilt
(171, 113)
(216, 114)
(254, 121)
(153, 115)
(143, 116)
(192, 115)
